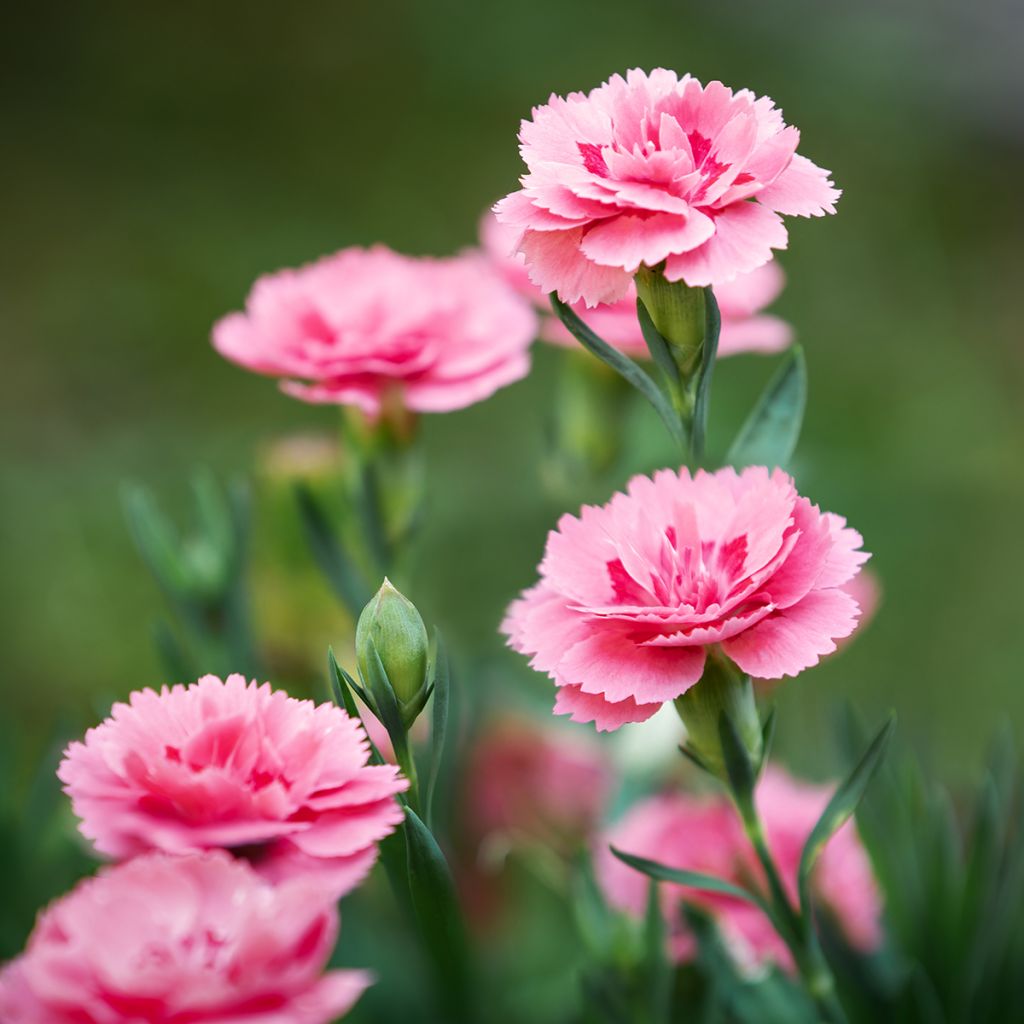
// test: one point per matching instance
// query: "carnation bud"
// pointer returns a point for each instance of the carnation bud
(677, 312)
(722, 689)
(393, 624)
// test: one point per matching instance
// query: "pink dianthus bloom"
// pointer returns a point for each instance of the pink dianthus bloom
(745, 327)
(535, 782)
(353, 327)
(199, 938)
(632, 593)
(651, 169)
(283, 782)
(704, 835)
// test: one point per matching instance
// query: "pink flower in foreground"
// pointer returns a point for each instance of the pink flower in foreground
(536, 782)
(357, 325)
(704, 835)
(652, 169)
(281, 781)
(745, 328)
(198, 939)
(631, 594)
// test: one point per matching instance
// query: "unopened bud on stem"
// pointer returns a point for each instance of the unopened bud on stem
(396, 630)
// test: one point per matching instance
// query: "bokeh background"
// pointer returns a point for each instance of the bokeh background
(157, 159)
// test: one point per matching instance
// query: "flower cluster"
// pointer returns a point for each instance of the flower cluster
(633, 594)
(704, 835)
(653, 170)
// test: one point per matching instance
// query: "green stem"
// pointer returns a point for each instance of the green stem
(795, 928)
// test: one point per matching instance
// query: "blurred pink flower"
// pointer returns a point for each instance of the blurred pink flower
(745, 328)
(532, 781)
(353, 327)
(633, 592)
(866, 589)
(654, 168)
(704, 835)
(199, 938)
(280, 781)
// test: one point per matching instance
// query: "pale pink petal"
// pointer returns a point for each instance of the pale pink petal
(618, 669)
(745, 235)
(802, 190)
(605, 715)
(555, 263)
(787, 642)
(629, 241)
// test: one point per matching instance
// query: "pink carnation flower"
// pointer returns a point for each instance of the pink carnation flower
(631, 594)
(704, 835)
(745, 328)
(163, 939)
(535, 782)
(355, 326)
(244, 767)
(652, 169)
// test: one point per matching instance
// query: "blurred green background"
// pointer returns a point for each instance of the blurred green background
(156, 159)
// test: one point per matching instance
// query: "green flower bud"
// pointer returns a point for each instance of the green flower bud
(393, 624)
(722, 688)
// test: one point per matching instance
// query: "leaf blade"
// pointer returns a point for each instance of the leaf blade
(841, 807)
(621, 364)
(770, 433)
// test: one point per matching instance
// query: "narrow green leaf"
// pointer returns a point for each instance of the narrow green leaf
(658, 973)
(622, 365)
(439, 719)
(702, 393)
(694, 758)
(339, 688)
(385, 702)
(658, 346)
(692, 879)
(438, 916)
(770, 434)
(740, 770)
(590, 909)
(340, 572)
(768, 737)
(342, 687)
(841, 807)
(155, 539)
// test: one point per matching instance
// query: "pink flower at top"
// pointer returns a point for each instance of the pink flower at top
(538, 783)
(281, 781)
(651, 169)
(632, 593)
(745, 327)
(199, 938)
(361, 324)
(704, 835)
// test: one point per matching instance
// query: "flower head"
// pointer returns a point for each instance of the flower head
(358, 325)
(741, 302)
(704, 835)
(655, 169)
(244, 767)
(631, 594)
(198, 938)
